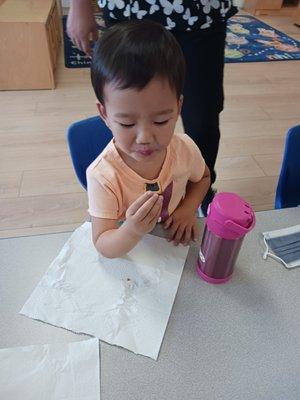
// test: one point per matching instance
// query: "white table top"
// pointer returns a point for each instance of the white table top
(240, 340)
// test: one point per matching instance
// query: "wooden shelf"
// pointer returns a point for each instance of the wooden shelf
(30, 39)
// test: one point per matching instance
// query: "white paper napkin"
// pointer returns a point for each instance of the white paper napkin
(68, 371)
(125, 301)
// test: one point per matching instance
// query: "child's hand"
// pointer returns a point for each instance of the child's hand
(182, 226)
(142, 215)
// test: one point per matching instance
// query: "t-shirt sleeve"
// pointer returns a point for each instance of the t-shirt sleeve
(196, 161)
(103, 202)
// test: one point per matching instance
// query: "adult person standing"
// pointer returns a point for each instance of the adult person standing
(200, 28)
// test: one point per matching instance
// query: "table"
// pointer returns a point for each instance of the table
(235, 341)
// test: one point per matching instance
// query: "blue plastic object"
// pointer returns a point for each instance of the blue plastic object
(86, 140)
(288, 187)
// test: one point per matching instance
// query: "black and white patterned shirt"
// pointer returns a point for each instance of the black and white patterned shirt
(177, 15)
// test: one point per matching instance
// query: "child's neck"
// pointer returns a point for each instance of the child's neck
(148, 170)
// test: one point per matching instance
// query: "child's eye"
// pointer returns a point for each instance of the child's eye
(126, 125)
(161, 122)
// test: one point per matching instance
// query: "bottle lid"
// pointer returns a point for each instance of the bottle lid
(230, 216)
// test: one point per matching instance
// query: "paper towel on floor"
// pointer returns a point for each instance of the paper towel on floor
(68, 371)
(125, 301)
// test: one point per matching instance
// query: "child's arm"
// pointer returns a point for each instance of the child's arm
(141, 217)
(182, 224)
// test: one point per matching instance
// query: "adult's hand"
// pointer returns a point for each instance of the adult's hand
(81, 25)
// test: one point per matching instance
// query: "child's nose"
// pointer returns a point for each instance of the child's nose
(144, 136)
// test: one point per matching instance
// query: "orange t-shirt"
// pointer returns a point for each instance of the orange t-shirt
(113, 186)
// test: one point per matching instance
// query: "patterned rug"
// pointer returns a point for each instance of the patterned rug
(251, 40)
(248, 40)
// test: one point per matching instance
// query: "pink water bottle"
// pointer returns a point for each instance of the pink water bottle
(229, 219)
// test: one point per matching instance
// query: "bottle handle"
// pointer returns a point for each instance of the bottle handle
(239, 229)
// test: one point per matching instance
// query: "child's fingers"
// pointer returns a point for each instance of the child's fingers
(168, 222)
(154, 213)
(196, 232)
(179, 235)
(136, 205)
(187, 235)
(172, 231)
(146, 208)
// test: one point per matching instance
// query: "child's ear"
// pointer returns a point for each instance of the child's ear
(102, 112)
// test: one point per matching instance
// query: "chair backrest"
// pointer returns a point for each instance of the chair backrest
(86, 140)
(288, 188)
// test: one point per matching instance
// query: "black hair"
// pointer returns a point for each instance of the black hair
(130, 54)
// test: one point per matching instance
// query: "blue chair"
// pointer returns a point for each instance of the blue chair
(86, 140)
(288, 187)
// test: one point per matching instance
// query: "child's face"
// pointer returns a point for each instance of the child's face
(142, 121)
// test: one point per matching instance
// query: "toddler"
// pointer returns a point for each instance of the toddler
(146, 173)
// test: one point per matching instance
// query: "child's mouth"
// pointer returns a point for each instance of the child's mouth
(145, 153)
